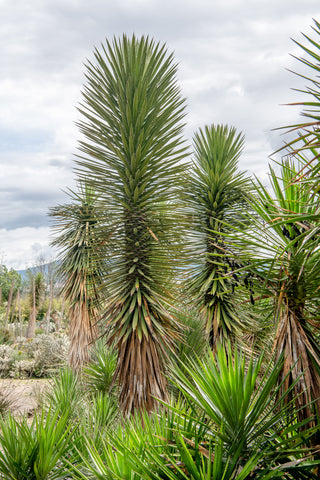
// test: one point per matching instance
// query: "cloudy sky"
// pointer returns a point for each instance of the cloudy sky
(232, 55)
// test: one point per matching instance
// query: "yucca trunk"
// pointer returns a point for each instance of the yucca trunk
(83, 314)
(145, 359)
(9, 305)
(31, 328)
(82, 334)
(302, 363)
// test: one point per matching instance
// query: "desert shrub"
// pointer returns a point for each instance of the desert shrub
(37, 357)
(39, 331)
(49, 352)
(6, 360)
(25, 307)
(22, 369)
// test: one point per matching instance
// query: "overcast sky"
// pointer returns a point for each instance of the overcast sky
(232, 55)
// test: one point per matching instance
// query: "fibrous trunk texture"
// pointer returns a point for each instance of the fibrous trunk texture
(81, 333)
(300, 364)
(140, 370)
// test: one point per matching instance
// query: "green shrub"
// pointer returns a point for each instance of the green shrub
(6, 336)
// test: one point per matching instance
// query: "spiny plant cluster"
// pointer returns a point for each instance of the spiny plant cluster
(154, 238)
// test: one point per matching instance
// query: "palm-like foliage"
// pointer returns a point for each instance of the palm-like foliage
(80, 268)
(285, 259)
(66, 395)
(307, 139)
(132, 151)
(216, 193)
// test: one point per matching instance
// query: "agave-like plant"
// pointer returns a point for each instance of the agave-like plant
(251, 432)
(216, 194)
(81, 262)
(124, 452)
(132, 156)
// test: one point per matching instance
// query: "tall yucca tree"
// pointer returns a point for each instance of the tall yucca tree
(216, 194)
(80, 268)
(284, 255)
(132, 156)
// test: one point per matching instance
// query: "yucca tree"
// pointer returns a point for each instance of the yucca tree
(216, 194)
(285, 258)
(80, 268)
(132, 155)
(37, 288)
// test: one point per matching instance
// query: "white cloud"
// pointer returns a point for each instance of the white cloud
(20, 248)
(232, 57)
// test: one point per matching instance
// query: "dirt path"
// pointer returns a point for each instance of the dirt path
(25, 394)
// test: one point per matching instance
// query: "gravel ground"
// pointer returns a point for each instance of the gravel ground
(25, 394)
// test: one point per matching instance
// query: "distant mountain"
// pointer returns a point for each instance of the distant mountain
(44, 269)
(23, 273)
